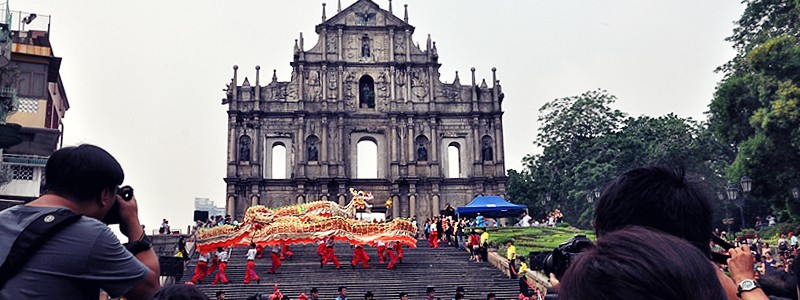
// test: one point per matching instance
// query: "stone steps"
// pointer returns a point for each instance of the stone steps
(444, 268)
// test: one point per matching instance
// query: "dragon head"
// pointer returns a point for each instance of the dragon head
(360, 198)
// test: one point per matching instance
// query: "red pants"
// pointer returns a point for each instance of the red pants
(392, 258)
(381, 254)
(221, 274)
(434, 242)
(321, 251)
(286, 252)
(200, 271)
(399, 249)
(275, 262)
(214, 266)
(330, 256)
(251, 272)
(360, 255)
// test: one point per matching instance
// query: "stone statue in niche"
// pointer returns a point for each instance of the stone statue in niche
(488, 153)
(244, 148)
(367, 97)
(400, 79)
(331, 43)
(422, 153)
(313, 154)
(333, 85)
(365, 46)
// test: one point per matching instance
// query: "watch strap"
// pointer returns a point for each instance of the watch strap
(138, 247)
(740, 290)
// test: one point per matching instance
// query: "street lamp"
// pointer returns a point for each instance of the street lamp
(747, 184)
(590, 196)
(597, 193)
(796, 193)
(733, 193)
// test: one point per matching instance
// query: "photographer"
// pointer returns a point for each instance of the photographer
(664, 199)
(84, 256)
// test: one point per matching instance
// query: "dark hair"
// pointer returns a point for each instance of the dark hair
(341, 288)
(81, 173)
(179, 292)
(402, 294)
(640, 263)
(490, 296)
(779, 284)
(219, 293)
(658, 197)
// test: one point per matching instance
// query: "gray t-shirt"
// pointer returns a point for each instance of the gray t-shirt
(75, 264)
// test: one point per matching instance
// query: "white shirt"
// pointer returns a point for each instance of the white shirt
(381, 243)
(204, 257)
(223, 256)
(251, 254)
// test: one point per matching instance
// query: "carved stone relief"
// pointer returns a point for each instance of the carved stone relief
(332, 43)
(419, 85)
(313, 86)
(400, 79)
(349, 92)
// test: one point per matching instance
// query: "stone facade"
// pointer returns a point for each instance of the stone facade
(364, 81)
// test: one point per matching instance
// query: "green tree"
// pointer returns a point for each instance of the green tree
(586, 143)
(756, 109)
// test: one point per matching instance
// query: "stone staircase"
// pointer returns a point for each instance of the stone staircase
(444, 268)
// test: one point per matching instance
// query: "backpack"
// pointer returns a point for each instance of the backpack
(783, 246)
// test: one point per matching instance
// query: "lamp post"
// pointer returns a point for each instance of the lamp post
(796, 193)
(747, 185)
(590, 197)
(596, 193)
(733, 193)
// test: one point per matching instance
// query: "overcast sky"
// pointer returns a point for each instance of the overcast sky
(145, 78)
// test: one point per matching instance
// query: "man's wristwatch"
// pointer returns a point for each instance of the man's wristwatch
(746, 286)
(138, 246)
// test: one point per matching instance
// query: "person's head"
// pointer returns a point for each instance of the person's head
(220, 295)
(659, 197)
(83, 174)
(252, 245)
(431, 291)
(179, 292)
(314, 292)
(490, 296)
(403, 296)
(460, 290)
(509, 243)
(368, 295)
(779, 284)
(342, 290)
(219, 249)
(640, 263)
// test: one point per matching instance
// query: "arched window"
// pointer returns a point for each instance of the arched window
(244, 148)
(367, 159)
(278, 161)
(366, 92)
(453, 160)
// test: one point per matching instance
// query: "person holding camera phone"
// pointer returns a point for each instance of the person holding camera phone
(666, 199)
(79, 256)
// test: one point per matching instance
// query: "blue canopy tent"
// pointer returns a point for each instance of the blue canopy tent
(491, 207)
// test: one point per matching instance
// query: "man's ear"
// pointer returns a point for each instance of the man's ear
(108, 197)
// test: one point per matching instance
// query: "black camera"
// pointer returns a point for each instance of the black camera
(558, 261)
(112, 217)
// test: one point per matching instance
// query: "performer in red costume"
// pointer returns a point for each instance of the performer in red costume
(434, 239)
(392, 256)
(251, 265)
(222, 257)
(330, 255)
(321, 251)
(399, 249)
(286, 252)
(276, 262)
(214, 264)
(259, 251)
(382, 251)
(201, 270)
(360, 255)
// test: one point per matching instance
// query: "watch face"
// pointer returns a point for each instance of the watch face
(748, 285)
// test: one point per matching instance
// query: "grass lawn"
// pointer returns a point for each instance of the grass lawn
(529, 239)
